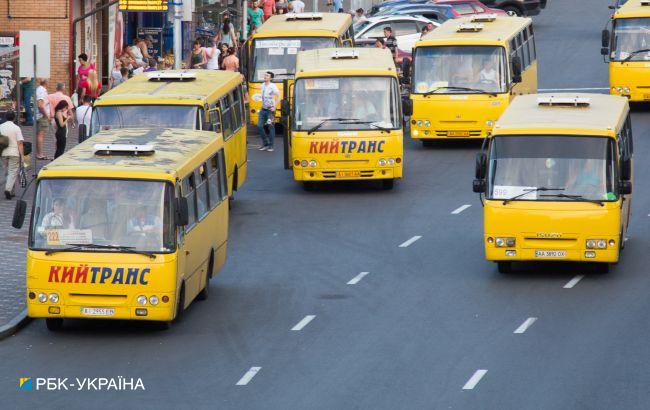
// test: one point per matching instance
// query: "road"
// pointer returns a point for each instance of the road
(431, 325)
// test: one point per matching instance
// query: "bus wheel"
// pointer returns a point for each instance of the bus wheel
(387, 184)
(308, 185)
(54, 324)
(180, 308)
(504, 267)
(203, 295)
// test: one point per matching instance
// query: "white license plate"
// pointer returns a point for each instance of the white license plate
(550, 254)
(97, 311)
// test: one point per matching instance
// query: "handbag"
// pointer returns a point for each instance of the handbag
(22, 175)
(4, 142)
(27, 148)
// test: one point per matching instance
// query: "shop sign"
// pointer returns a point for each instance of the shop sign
(144, 5)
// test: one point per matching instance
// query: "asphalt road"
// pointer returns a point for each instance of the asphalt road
(415, 330)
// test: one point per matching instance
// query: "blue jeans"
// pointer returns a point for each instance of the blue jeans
(27, 103)
(265, 115)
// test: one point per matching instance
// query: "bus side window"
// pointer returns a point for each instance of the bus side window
(214, 117)
(214, 179)
(226, 117)
(206, 120)
(202, 202)
(526, 60)
(223, 183)
(190, 194)
(238, 113)
(531, 46)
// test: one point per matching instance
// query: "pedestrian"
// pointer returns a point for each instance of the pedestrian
(136, 53)
(227, 33)
(58, 96)
(116, 75)
(83, 114)
(84, 68)
(359, 16)
(281, 6)
(265, 122)
(27, 85)
(197, 56)
(425, 31)
(298, 6)
(153, 65)
(92, 86)
(212, 54)
(12, 155)
(231, 62)
(389, 40)
(223, 54)
(255, 15)
(336, 6)
(379, 43)
(43, 118)
(144, 44)
(268, 7)
(430, 26)
(61, 122)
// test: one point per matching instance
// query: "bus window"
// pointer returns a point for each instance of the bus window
(531, 47)
(202, 204)
(189, 193)
(214, 179)
(226, 117)
(279, 55)
(223, 183)
(107, 117)
(238, 112)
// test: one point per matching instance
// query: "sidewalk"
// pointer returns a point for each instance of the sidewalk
(13, 242)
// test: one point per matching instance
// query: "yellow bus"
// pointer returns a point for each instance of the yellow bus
(276, 43)
(345, 116)
(209, 100)
(130, 224)
(628, 51)
(466, 72)
(557, 180)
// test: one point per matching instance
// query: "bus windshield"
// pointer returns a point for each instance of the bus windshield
(552, 168)
(115, 215)
(631, 40)
(346, 103)
(106, 117)
(460, 69)
(279, 55)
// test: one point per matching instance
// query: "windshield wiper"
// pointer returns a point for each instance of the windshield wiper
(476, 90)
(320, 124)
(633, 53)
(577, 198)
(78, 246)
(372, 124)
(542, 188)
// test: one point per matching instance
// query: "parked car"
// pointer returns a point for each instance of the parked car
(373, 27)
(462, 8)
(391, 3)
(518, 7)
(434, 12)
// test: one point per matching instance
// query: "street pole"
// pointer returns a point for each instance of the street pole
(315, 6)
(178, 46)
(244, 18)
(35, 140)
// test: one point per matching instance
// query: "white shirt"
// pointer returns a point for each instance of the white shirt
(12, 131)
(41, 94)
(298, 6)
(488, 75)
(83, 114)
(268, 92)
(213, 60)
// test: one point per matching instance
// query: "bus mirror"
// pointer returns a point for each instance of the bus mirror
(516, 69)
(625, 187)
(626, 170)
(605, 39)
(19, 214)
(82, 132)
(478, 186)
(604, 51)
(182, 212)
(611, 7)
(285, 108)
(481, 165)
(406, 71)
(407, 107)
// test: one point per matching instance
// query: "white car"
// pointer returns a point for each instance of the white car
(403, 25)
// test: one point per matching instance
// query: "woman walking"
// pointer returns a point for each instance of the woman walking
(61, 122)
(197, 56)
(92, 86)
(213, 53)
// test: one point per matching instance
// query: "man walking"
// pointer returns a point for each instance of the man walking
(27, 85)
(43, 118)
(270, 94)
(57, 97)
(83, 114)
(12, 155)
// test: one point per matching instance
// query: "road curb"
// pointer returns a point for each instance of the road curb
(13, 325)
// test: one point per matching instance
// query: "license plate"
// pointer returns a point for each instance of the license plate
(646, 96)
(97, 311)
(349, 174)
(458, 133)
(550, 254)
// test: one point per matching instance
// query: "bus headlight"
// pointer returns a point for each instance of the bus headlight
(488, 123)
(391, 161)
(382, 162)
(54, 298)
(312, 163)
(303, 163)
(427, 123)
(626, 90)
(619, 89)
(596, 244)
(419, 123)
(504, 242)
(153, 300)
(142, 300)
(42, 297)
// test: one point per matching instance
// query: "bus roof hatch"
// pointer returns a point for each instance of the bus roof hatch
(551, 101)
(485, 18)
(171, 76)
(469, 27)
(343, 53)
(304, 16)
(123, 149)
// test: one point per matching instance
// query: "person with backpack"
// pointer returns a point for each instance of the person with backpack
(11, 145)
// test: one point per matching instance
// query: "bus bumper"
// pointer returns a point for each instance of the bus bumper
(422, 133)
(319, 174)
(557, 254)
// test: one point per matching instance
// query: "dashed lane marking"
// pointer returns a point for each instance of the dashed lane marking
(473, 381)
(410, 241)
(524, 326)
(304, 322)
(460, 209)
(248, 376)
(573, 282)
(357, 278)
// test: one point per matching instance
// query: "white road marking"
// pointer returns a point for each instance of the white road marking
(473, 381)
(524, 326)
(248, 376)
(304, 322)
(460, 209)
(573, 282)
(357, 278)
(410, 241)
(574, 89)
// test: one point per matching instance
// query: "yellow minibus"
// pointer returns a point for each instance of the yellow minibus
(345, 117)
(130, 224)
(209, 100)
(466, 72)
(557, 180)
(275, 44)
(627, 50)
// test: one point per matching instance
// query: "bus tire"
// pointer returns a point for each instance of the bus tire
(504, 267)
(513, 10)
(387, 184)
(204, 293)
(180, 307)
(54, 324)
(235, 181)
(308, 186)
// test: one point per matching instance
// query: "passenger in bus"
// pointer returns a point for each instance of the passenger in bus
(95, 218)
(488, 75)
(144, 222)
(588, 180)
(58, 218)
